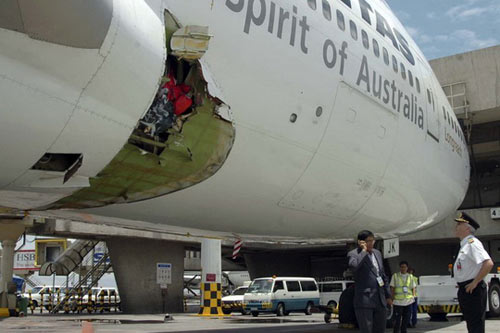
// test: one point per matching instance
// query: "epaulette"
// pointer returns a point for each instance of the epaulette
(471, 240)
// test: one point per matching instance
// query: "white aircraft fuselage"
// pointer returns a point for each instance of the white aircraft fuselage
(339, 122)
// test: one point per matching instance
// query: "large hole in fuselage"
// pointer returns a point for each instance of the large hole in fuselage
(182, 89)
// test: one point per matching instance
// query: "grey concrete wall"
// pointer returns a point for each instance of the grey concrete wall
(134, 264)
(426, 259)
(280, 264)
(479, 69)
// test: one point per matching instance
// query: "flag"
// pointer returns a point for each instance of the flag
(237, 247)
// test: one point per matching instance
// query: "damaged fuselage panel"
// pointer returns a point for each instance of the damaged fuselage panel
(182, 139)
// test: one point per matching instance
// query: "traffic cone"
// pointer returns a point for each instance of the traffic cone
(87, 327)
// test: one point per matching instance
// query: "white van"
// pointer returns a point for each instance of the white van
(281, 295)
(329, 291)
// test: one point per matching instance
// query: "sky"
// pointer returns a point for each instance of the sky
(446, 27)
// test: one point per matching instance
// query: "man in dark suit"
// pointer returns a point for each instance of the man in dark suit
(372, 293)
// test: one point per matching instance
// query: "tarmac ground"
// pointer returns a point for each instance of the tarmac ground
(192, 323)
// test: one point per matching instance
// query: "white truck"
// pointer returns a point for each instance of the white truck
(437, 295)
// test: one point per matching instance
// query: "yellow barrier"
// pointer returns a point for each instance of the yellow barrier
(90, 307)
(4, 312)
(31, 305)
(212, 300)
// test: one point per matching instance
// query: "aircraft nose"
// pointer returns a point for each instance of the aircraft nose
(75, 23)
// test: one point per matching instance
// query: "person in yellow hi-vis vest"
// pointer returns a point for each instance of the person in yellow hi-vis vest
(414, 306)
(403, 294)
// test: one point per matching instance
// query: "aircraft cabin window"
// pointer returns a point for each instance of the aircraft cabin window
(418, 84)
(327, 11)
(340, 20)
(444, 113)
(410, 77)
(366, 42)
(312, 4)
(429, 96)
(449, 120)
(376, 49)
(395, 64)
(354, 30)
(403, 71)
(386, 56)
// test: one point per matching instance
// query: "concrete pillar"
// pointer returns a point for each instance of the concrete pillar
(135, 266)
(211, 275)
(10, 230)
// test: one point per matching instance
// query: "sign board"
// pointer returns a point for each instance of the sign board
(24, 260)
(163, 273)
(495, 213)
(211, 277)
(391, 247)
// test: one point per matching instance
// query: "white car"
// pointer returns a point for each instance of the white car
(49, 294)
(105, 298)
(329, 291)
(234, 302)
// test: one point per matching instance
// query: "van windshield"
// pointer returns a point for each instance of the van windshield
(260, 286)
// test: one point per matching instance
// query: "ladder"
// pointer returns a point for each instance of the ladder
(95, 274)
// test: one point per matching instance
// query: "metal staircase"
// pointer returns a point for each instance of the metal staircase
(89, 280)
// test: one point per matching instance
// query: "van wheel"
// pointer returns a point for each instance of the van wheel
(280, 310)
(255, 313)
(494, 300)
(308, 310)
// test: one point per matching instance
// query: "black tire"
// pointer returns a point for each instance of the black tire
(245, 312)
(287, 313)
(255, 313)
(440, 316)
(308, 309)
(226, 312)
(332, 305)
(280, 310)
(494, 300)
(35, 304)
(327, 318)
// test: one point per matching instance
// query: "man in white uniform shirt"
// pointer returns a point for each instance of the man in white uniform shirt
(473, 263)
